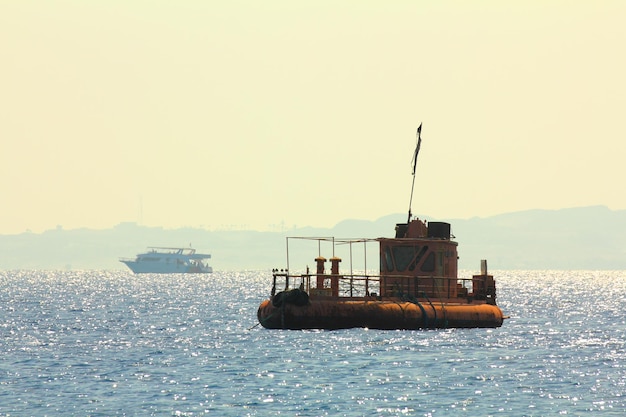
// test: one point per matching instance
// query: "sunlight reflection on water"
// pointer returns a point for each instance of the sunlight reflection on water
(112, 343)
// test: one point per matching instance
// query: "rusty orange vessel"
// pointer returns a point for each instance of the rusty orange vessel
(416, 287)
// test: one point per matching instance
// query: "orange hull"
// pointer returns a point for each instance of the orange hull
(384, 315)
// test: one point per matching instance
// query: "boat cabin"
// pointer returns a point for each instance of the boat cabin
(421, 261)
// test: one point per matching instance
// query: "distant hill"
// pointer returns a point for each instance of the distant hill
(575, 238)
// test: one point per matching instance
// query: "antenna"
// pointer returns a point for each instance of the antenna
(140, 210)
(417, 151)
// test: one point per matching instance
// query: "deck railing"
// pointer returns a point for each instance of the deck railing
(369, 285)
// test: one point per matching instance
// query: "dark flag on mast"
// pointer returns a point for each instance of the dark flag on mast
(417, 151)
(417, 148)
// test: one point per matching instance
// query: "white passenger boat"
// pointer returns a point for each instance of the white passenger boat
(159, 260)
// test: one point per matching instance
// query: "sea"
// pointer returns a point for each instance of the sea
(110, 343)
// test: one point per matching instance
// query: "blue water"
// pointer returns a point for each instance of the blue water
(111, 343)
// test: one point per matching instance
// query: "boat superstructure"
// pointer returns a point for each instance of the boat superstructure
(164, 260)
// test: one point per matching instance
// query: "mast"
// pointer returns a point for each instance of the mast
(417, 151)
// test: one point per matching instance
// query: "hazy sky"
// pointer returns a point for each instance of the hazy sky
(256, 113)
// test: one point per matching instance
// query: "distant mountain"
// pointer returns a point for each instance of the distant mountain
(575, 238)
